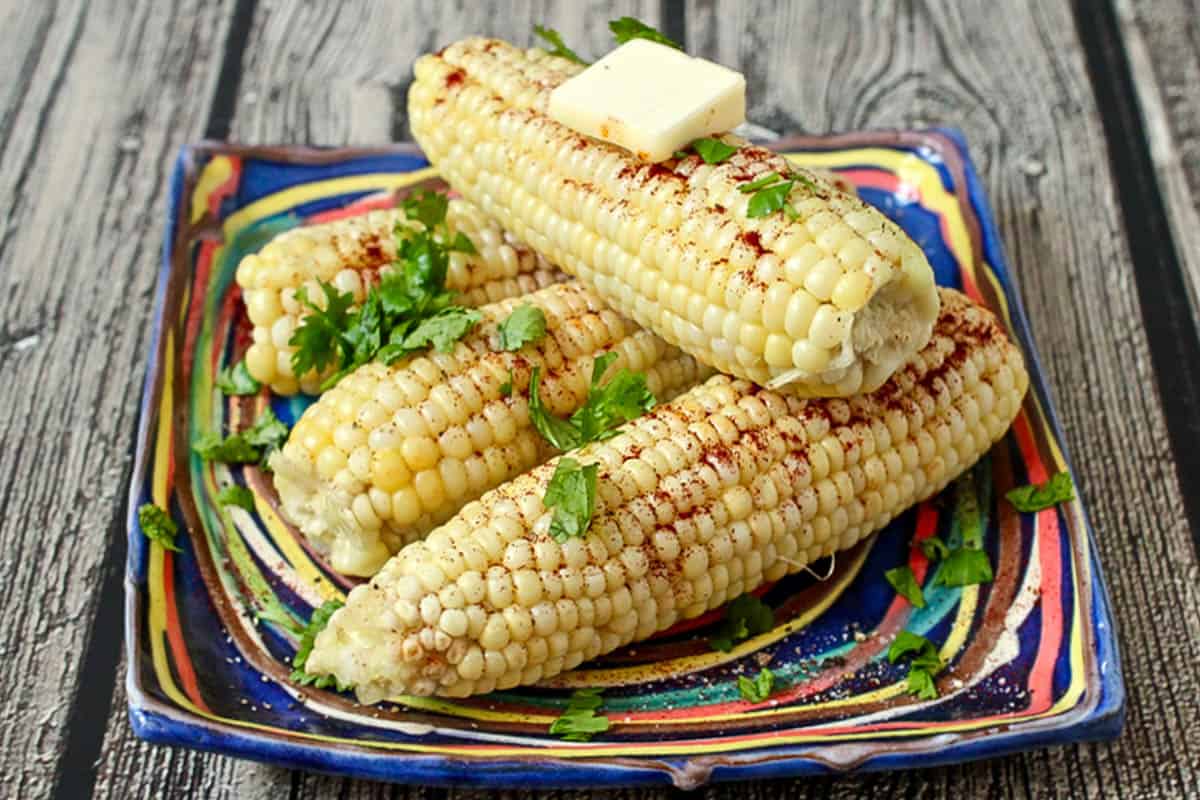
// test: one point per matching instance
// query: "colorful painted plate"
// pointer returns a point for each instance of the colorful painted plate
(1033, 659)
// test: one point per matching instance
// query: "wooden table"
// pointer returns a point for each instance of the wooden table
(1084, 119)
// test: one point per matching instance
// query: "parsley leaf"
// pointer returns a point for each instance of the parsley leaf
(760, 183)
(237, 381)
(426, 207)
(608, 406)
(628, 28)
(713, 151)
(758, 688)
(441, 331)
(506, 388)
(157, 526)
(526, 324)
(557, 46)
(925, 664)
(318, 338)
(571, 492)
(769, 200)
(579, 721)
(556, 431)
(255, 444)
(238, 496)
(746, 616)
(934, 548)
(965, 566)
(308, 638)
(1035, 497)
(905, 583)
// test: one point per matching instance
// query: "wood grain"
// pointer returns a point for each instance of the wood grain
(94, 101)
(1010, 75)
(1162, 40)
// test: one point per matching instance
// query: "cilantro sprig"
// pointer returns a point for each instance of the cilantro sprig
(905, 583)
(758, 688)
(771, 191)
(745, 617)
(608, 406)
(157, 526)
(967, 564)
(408, 311)
(627, 28)
(253, 445)
(308, 637)
(1038, 497)
(713, 151)
(236, 381)
(579, 721)
(238, 496)
(924, 665)
(557, 46)
(571, 492)
(525, 325)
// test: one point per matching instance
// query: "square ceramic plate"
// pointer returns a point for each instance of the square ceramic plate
(1033, 659)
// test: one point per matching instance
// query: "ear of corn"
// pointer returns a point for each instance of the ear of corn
(350, 253)
(702, 499)
(827, 303)
(392, 451)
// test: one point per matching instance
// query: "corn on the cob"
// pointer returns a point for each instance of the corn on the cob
(702, 499)
(828, 303)
(393, 451)
(350, 253)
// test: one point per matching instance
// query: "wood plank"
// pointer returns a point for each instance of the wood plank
(1162, 41)
(1012, 76)
(91, 114)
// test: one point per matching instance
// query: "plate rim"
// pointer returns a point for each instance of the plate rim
(155, 721)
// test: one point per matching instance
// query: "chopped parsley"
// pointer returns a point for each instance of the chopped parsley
(579, 721)
(557, 46)
(308, 637)
(237, 381)
(905, 583)
(1037, 497)
(525, 325)
(746, 616)
(713, 151)
(758, 688)
(238, 496)
(934, 548)
(571, 492)
(627, 28)
(253, 445)
(157, 526)
(621, 399)
(409, 310)
(924, 665)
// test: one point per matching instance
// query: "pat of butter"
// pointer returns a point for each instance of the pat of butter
(651, 99)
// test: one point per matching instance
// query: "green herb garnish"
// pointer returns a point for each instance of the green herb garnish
(713, 151)
(238, 496)
(627, 28)
(924, 665)
(965, 566)
(934, 548)
(525, 325)
(579, 721)
(759, 183)
(769, 200)
(157, 526)
(237, 381)
(506, 388)
(905, 583)
(746, 616)
(1037, 497)
(608, 406)
(758, 688)
(308, 637)
(557, 46)
(409, 310)
(253, 445)
(571, 492)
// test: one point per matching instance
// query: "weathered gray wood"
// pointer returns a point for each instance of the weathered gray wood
(1162, 40)
(1012, 76)
(94, 101)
